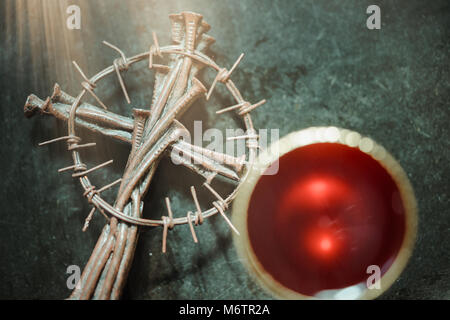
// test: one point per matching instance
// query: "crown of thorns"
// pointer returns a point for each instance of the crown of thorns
(154, 131)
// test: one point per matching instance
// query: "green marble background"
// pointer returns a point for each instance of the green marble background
(314, 61)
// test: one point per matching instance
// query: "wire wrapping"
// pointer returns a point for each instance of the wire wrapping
(123, 64)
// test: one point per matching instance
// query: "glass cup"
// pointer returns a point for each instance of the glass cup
(325, 213)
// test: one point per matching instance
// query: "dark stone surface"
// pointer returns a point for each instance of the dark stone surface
(315, 62)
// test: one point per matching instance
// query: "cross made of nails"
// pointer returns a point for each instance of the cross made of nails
(151, 134)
